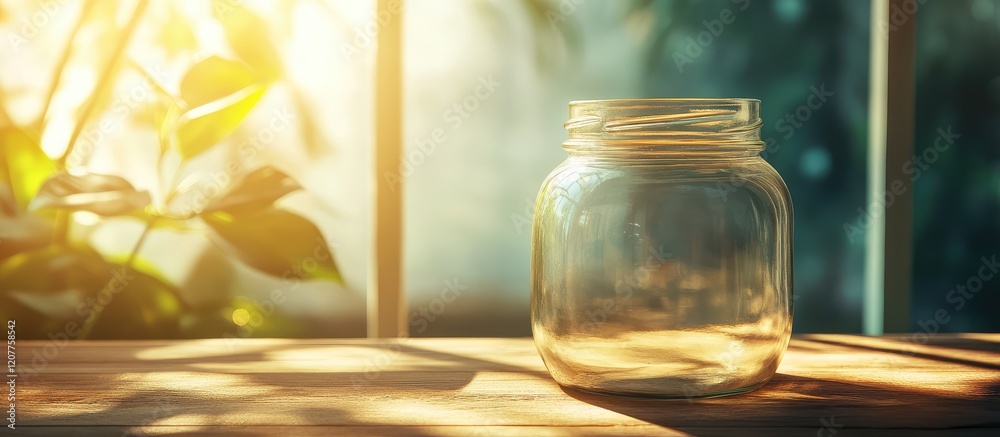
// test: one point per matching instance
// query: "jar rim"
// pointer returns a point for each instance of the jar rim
(661, 100)
(716, 123)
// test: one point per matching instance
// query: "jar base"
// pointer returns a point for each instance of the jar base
(664, 396)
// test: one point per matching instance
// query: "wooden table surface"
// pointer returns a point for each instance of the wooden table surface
(827, 385)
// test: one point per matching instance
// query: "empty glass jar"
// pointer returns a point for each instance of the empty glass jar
(662, 251)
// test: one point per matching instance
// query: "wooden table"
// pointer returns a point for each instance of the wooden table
(827, 385)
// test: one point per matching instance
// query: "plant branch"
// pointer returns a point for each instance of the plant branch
(61, 229)
(140, 242)
(106, 78)
(97, 310)
(61, 65)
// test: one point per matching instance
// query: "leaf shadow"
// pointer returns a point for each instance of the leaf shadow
(148, 399)
(192, 394)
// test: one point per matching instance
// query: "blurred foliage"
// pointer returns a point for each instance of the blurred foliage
(775, 50)
(105, 195)
(957, 198)
(52, 281)
(24, 167)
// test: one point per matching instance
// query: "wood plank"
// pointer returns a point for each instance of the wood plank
(436, 386)
(840, 353)
(474, 431)
(471, 399)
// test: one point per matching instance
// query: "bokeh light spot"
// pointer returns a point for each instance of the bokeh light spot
(815, 163)
(241, 317)
(790, 10)
(982, 10)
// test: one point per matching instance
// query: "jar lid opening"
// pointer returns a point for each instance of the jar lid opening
(725, 123)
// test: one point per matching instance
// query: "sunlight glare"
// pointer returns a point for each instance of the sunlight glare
(241, 317)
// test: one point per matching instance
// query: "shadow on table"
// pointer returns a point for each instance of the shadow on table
(215, 397)
(934, 349)
(801, 402)
(815, 404)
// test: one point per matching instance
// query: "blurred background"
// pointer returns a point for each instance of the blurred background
(204, 168)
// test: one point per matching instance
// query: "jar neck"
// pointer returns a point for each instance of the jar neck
(665, 128)
(638, 158)
(619, 151)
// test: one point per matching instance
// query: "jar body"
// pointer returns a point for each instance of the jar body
(665, 277)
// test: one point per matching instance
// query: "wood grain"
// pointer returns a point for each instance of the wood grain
(487, 386)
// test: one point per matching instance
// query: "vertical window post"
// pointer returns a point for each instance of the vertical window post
(889, 243)
(386, 304)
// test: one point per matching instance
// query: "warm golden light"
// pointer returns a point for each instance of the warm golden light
(241, 317)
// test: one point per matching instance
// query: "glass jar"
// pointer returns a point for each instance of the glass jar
(662, 251)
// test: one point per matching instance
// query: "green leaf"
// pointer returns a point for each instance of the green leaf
(23, 164)
(46, 288)
(248, 36)
(60, 284)
(275, 242)
(213, 79)
(22, 233)
(209, 282)
(54, 269)
(201, 128)
(157, 220)
(143, 306)
(105, 195)
(41, 288)
(257, 190)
